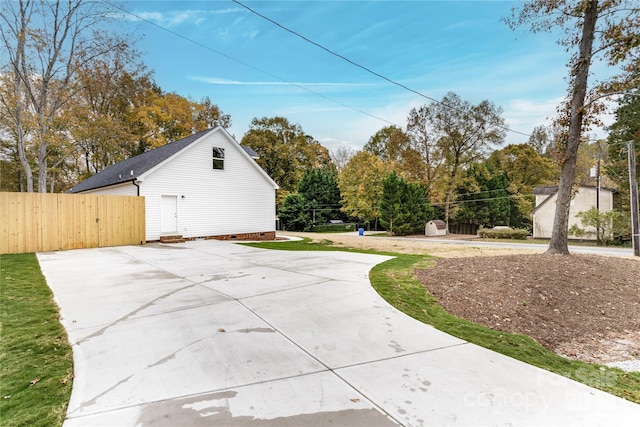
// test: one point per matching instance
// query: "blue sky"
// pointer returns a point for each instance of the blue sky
(431, 46)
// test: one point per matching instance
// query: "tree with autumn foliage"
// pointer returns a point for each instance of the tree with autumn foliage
(593, 30)
(449, 135)
(360, 184)
(74, 97)
(44, 45)
(524, 169)
(389, 143)
(286, 152)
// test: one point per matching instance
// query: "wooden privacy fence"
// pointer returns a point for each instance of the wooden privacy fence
(36, 222)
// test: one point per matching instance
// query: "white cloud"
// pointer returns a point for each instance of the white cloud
(174, 18)
(525, 111)
(221, 81)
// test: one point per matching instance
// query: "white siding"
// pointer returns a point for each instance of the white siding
(125, 189)
(238, 199)
(583, 200)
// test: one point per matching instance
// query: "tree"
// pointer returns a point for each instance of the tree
(294, 213)
(613, 26)
(45, 44)
(485, 201)
(285, 151)
(391, 206)
(321, 193)
(166, 117)
(425, 157)
(625, 128)
(449, 135)
(404, 208)
(341, 156)
(388, 143)
(587, 160)
(609, 226)
(524, 169)
(394, 147)
(98, 116)
(360, 184)
(418, 209)
(540, 139)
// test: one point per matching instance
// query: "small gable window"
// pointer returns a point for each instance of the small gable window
(218, 158)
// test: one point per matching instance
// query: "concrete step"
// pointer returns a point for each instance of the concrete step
(175, 238)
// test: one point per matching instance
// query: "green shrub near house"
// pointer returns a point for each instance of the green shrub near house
(503, 233)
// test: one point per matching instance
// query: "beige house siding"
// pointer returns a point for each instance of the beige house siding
(584, 199)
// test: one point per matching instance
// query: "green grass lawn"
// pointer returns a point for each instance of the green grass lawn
(396, 282)
(35, 357)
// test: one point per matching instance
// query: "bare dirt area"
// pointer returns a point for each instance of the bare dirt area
(410, 245)
(585, 307)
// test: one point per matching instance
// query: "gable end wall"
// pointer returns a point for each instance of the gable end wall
(210, 202)
(585, 199)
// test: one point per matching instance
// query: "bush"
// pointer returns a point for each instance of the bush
(503, 233)
(334, 228)
(294, 214)
(609, 227)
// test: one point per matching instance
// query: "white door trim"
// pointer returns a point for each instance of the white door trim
(168, 214)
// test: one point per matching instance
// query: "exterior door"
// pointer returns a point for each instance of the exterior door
(169, 215)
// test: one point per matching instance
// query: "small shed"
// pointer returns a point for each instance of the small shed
(435, 227)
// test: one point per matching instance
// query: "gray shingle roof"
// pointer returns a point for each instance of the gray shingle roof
(131, 168)
(251, 152)
(553, 189)
(546, 190)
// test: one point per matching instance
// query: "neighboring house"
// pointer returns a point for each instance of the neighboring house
(584, 199)
(205, 185)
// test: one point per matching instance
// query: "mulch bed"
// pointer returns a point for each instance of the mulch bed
(582, 306)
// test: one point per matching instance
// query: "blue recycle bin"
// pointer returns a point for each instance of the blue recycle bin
(360, 231)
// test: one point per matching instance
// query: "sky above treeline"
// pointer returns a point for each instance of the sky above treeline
(250, 67)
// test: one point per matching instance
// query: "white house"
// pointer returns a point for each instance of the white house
(584, 199)
(205, 185)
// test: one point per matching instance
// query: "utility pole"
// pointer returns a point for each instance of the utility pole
(633, 196)
(598, 197)
(596, 174)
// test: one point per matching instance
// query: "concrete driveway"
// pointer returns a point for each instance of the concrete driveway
(214, 333)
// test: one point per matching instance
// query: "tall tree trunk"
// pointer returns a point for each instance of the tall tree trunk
(20, 137)
(24, 162)
(42, 167)
(558, 244)
(19, 30)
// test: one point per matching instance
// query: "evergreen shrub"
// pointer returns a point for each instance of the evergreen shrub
(503, 233)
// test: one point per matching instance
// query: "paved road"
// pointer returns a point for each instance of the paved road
(213, 333)
(534, 246)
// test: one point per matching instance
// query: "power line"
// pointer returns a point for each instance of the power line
(246, 64)
(367, 69)
(482, 191)
(456, 202)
